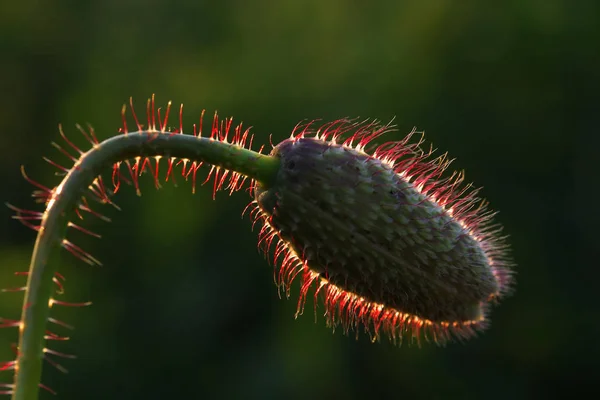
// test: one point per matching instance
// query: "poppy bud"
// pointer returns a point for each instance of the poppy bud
(392, 244)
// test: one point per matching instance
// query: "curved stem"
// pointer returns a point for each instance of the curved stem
(65, 197)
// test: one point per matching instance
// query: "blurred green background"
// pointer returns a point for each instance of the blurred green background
(185, 306)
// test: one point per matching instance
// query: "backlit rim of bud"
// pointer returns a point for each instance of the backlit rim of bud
(425, 173)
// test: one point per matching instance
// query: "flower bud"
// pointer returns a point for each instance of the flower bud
(391, 243)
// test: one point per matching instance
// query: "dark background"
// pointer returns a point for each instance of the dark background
(185, 306)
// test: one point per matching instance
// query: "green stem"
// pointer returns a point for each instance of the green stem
(66, 196)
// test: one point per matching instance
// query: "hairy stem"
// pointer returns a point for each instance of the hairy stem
(35, 312)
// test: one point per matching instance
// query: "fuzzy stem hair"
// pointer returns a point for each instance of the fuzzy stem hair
(35, 313)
